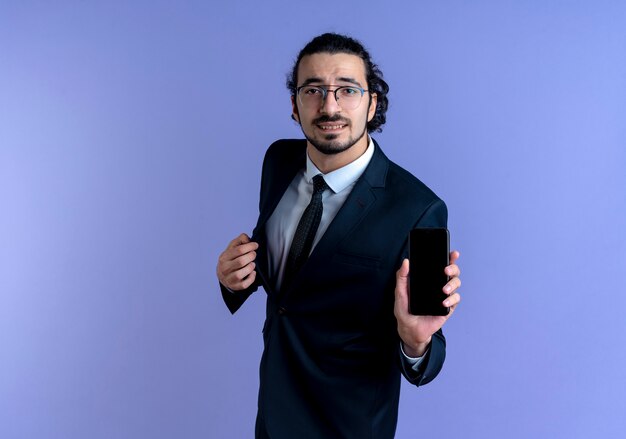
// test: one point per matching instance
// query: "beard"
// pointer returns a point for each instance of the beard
(329, 144)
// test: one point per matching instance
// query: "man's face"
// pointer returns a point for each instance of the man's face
(328, 126)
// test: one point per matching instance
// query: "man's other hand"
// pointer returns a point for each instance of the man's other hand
(416, 331)
(235, 266)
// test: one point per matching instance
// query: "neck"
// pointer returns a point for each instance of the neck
(331, 162)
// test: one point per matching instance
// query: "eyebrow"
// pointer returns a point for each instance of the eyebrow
(340, 79)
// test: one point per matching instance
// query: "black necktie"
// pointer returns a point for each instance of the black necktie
(305, 232)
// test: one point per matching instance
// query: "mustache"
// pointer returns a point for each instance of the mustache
(335, 118)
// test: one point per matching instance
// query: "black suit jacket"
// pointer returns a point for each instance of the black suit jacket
(331, 364)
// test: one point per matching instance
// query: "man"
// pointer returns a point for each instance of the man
(337, 333)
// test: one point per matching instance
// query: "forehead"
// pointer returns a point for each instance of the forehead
(330, 68)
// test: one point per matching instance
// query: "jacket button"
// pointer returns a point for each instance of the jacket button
(282, 311)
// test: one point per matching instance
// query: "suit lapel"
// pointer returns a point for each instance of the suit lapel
(276, 179)
(355, 208)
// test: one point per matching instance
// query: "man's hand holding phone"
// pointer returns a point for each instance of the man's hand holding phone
(416, 330)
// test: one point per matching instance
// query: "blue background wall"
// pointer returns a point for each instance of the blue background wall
(131, 140)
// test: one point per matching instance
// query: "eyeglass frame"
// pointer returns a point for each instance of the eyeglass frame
(325, 92)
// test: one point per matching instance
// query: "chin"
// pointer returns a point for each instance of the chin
(331, 144)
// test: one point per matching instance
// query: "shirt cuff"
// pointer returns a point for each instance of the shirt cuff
(412, 361)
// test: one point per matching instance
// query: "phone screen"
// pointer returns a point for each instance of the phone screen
(429, 255)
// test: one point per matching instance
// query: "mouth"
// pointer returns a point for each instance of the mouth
(331, 127)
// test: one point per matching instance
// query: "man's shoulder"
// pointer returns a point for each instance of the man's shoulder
(406, 184)
(284, 154)
(286, 147)
(414, 198)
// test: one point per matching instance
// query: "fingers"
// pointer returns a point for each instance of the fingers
(453, 270)
(402, 286)
(403, 271)
(402, 277)
(239, 246)
(235, 267)
(248, 281)
(236, 257)
(240, 279)
(452, 300)
(451, 290)
(452, 285)
(236, 279)
(239, 263)
(241, 239)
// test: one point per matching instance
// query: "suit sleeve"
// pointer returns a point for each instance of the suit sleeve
(235, 299)
(436, 215)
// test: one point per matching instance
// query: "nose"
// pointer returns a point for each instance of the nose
(330, 104)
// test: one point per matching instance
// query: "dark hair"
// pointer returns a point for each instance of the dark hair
(335, 43)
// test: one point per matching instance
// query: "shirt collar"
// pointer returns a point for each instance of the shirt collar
(341, 178)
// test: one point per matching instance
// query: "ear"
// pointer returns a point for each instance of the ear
(294, 110)
(371, 112)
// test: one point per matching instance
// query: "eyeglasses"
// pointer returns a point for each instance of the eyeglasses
(313, 96)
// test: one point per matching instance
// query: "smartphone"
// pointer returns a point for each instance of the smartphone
(429, 255)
